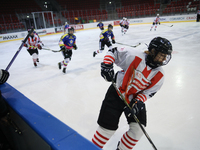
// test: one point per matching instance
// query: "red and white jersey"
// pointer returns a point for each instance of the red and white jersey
(157, 20)
(127, 22)
(124, 22)
(136, 80)
(33, 42)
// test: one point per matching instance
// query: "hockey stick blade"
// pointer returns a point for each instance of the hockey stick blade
(14, 57)
(167, 25)
(136, 45)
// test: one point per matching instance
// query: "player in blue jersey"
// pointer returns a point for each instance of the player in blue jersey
(66, 27)
(100, 25)
(104, 40)
(67, 43)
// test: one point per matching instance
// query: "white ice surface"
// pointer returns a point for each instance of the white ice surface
(75, 97)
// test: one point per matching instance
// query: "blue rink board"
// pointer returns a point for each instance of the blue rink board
(57, 134)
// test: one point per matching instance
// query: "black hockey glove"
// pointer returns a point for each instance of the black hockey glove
(75, 47)
(159, 23)
(113, 41)
(107, 71)
(136, 106)
(3, 76)
(121, 25)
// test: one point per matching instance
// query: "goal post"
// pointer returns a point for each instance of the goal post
(43, 19)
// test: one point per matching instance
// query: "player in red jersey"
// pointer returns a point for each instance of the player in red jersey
(33, 44)
(156, 22)
(124, 23)
(141, 77)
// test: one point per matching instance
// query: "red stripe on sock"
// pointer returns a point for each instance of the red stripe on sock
(126, 144)
(103, 137)
(132, 144)
(96, 144)
(131, 138)
(100, 141)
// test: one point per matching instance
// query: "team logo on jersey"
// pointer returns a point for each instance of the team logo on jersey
(71, 41)
(140, 82)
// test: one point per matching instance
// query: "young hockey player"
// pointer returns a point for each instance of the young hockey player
(33, 44)
(104, 40)
(67, 43)
(124, 23)
(66, 27)
(141, 77)
(156, 22)
(100, 25)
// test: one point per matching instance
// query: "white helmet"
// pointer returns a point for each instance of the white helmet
(157, 14)
(66, 23)
(124, 18)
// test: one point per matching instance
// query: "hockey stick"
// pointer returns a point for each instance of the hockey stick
(134, 116)
(14, 57)
(52, 50)
(129, 45)
(167, 25)
(48, 49)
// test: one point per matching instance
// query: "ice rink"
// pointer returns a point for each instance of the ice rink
(173, 114)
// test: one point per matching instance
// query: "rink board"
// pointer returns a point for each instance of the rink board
(88, 26)
(57, 135)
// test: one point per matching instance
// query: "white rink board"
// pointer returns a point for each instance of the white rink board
(16, 35)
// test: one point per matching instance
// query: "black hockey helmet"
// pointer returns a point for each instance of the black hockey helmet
(30, 31)
(71, 29)
(110, 26)
(158, 44)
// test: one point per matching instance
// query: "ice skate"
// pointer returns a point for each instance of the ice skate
(35, 64)
(64, 70)
(94, 54)
(59, 65)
